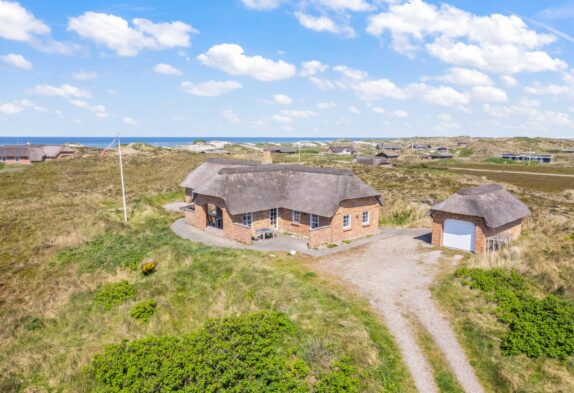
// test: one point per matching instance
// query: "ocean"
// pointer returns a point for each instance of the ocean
(156, 141)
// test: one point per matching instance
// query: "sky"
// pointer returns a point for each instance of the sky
(276, 68)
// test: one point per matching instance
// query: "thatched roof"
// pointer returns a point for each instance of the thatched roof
(51, 151)
(388, 146)
(14, 151)
(281, 149)
(491, 202)
(376, 161)
(246, 186)
(342, 149)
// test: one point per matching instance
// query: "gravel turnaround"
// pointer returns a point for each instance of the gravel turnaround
(395, 274)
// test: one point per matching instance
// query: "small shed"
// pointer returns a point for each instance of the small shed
(478, 219)
(388, 154)
(375, 161)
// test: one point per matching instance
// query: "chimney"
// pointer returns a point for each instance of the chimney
(267, 159)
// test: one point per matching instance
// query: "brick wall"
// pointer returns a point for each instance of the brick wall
(12, 160)
(481, 230)
(355, 208)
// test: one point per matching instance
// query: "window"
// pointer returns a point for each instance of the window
(17, 159)
(296, 217)
(347, 221)
(247, 219)
(366, 218)
(273, 213)
(3, 159)
(314, 221)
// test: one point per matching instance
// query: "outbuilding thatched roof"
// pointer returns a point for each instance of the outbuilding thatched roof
(246, 186)
(375, 161)
(14, 151)
(491, 202)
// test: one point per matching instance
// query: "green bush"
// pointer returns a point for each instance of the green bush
(143, 310)
(148, 268)
(401, 217)
(247, 353)
(537, 327)
(113, 294)
(464, 152)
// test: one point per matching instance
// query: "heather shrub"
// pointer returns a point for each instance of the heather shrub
(143, 310)
(537, 327)
(113, 294)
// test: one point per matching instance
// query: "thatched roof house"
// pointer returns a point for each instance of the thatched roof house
(240, 197)
(474, 217)
(388, 146)
(375, 161)
(341, 150)
(21, 154)
(281, 150)
(388, 154)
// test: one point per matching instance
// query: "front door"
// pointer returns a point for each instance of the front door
(214, 217)
(273, 213)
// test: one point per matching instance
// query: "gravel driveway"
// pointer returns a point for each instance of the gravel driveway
(395, 275)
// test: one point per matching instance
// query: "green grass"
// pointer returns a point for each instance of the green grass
(114, 294)
(464, 152)
(444, 377)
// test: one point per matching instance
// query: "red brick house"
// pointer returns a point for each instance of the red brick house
(237, 198)
(478, 219)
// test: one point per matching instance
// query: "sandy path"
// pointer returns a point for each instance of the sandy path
(396, 276)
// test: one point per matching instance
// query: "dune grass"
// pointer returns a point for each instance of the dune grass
(53, 323)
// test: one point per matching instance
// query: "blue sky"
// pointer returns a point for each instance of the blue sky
(287, 68)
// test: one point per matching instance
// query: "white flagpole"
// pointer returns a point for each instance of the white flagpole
(122, 177)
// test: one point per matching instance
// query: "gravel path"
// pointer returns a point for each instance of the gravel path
(395, 275)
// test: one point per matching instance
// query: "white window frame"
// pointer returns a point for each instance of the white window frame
(3, 159)
(348, 226)
(296, 216)
(17, 159)
(368, 221)
(312, 218)
(276, 210)
(247, 217)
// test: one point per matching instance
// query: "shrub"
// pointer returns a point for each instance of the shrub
(113, 294)
(247, 353)
(401, 217)
(537, 327)
(148, 268)
(143, 310)
(464, 152)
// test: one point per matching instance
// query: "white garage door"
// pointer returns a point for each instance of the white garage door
(458, 234)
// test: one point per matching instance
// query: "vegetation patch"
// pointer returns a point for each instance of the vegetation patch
(403, 217)
(144, 310)
(248, 353)
(113, 294)
(537, 327)
(464, 152)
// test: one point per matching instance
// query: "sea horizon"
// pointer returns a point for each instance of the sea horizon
(103, 141)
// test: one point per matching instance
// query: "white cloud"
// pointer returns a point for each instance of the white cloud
(509, 81)
(166, 69)
(375, 89)
(99, 110)
(346, 5)
(230, 116)
(465, 77)
(288, 115)
(379, 109)
(64, 91)
(530, 114)
(351, 73)
(282, 99)
(85, 75)
(262, 5)
(324, 23)
(399, 113)
(326, 105)
(550, 90)
(32, 105)
(312, 67)
(115, 33)
(445, 96)
(494, 42)
(210, 88)
(17, 61)
(489, 94)
(323, 83)
(129, 121)
(16, 23)
(10, 108)
(230, 59)
(354, 109)
(446, 123)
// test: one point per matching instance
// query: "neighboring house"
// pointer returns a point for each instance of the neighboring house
(21, 154)
(442, 148)
(388, 146)
(388, 154)
(420, 146)
(440, 155)
(281, 150)
(375, 161)
(341, 150)
(542, 158)
(478, 219)
(216, 151)
(237, 198)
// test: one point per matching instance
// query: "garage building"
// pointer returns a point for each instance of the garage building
(478, 219)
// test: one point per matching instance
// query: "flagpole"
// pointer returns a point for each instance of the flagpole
(122, 177)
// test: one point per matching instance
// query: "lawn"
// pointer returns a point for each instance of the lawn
(72, 291)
